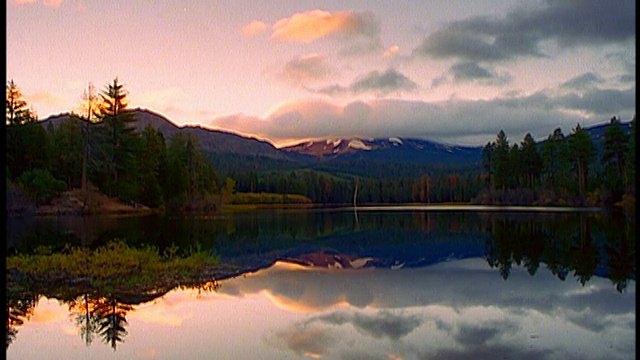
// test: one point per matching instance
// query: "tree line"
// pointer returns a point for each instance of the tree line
(562, 170)
(99, 147)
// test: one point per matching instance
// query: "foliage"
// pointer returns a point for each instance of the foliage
(117, 144)
(269, 198)
(16, 110)
(615, 150)
(17, 199)
(28, 148)
(41, 185)
(67, 151)
(581, 155)
(115, 266)
(152, 159)
(190, 180)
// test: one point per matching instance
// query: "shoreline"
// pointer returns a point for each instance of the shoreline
(127, 210)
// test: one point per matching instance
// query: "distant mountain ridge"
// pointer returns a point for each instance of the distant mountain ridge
(336, 147)
(211, 141)
(231, 152)
(395, 149)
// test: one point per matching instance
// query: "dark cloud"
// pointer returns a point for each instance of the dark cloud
(438, 81)
(519, 33)
(307, 341)
(586, 80)
(466, 71)
(627, 78)
(386, 82)
(494, 352)
(453, 42)
(367, 39)
(481, 334)
(303, 69)
(390, 81)
(379, 325)
(334, 89)
(469, 71)
(601, 102)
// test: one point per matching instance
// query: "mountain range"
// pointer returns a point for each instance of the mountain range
(229, 152)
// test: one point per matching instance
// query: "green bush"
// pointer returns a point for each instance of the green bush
(41, 185)
(269, 198)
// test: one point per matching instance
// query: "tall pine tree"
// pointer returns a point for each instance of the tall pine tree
(582, 153)
(118, 143)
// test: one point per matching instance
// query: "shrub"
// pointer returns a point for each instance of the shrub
(41, 185)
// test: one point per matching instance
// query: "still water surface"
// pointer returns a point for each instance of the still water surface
(335, 284)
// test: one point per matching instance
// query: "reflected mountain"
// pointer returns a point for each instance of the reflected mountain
(588, 243)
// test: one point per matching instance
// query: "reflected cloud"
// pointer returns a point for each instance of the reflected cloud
(458, 309)
(308, 341)
(467, 313)
(378, 325)
(161, 316)
(47, 312)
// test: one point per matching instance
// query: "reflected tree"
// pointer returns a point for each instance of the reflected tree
(498, 247)
(20, 306)
(88, 322)
(585, 254)
(621, 253)
(533, 246)
(112, 317)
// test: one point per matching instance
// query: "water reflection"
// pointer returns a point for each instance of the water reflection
(412, 285)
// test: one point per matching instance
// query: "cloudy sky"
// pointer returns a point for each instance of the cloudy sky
(453, 71)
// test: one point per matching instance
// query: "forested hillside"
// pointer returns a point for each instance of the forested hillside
(140, 157)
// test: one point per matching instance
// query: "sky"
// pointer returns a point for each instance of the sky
(455, 71)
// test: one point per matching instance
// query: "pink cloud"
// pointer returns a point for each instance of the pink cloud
(391, 51)
(317, 24)
(254, 28)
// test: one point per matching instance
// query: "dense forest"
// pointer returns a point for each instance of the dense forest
(99, 150)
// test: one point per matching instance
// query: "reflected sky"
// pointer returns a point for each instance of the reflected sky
(459, 309)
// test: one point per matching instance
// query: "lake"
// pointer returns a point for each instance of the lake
(376, 283)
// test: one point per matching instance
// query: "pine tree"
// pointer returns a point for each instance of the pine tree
(501, 160)
(118, 143)
(152, 158)
(555, 162)
(27, 142)
(582, 153)
(487, 163)
(631, 159)
(89, 110)
(615, 148)
(17, 111)
(531, 160)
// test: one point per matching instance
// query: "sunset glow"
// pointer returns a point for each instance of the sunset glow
(468, 70)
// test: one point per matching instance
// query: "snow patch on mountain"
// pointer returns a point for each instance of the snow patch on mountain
(395, 140)
(358, 144)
